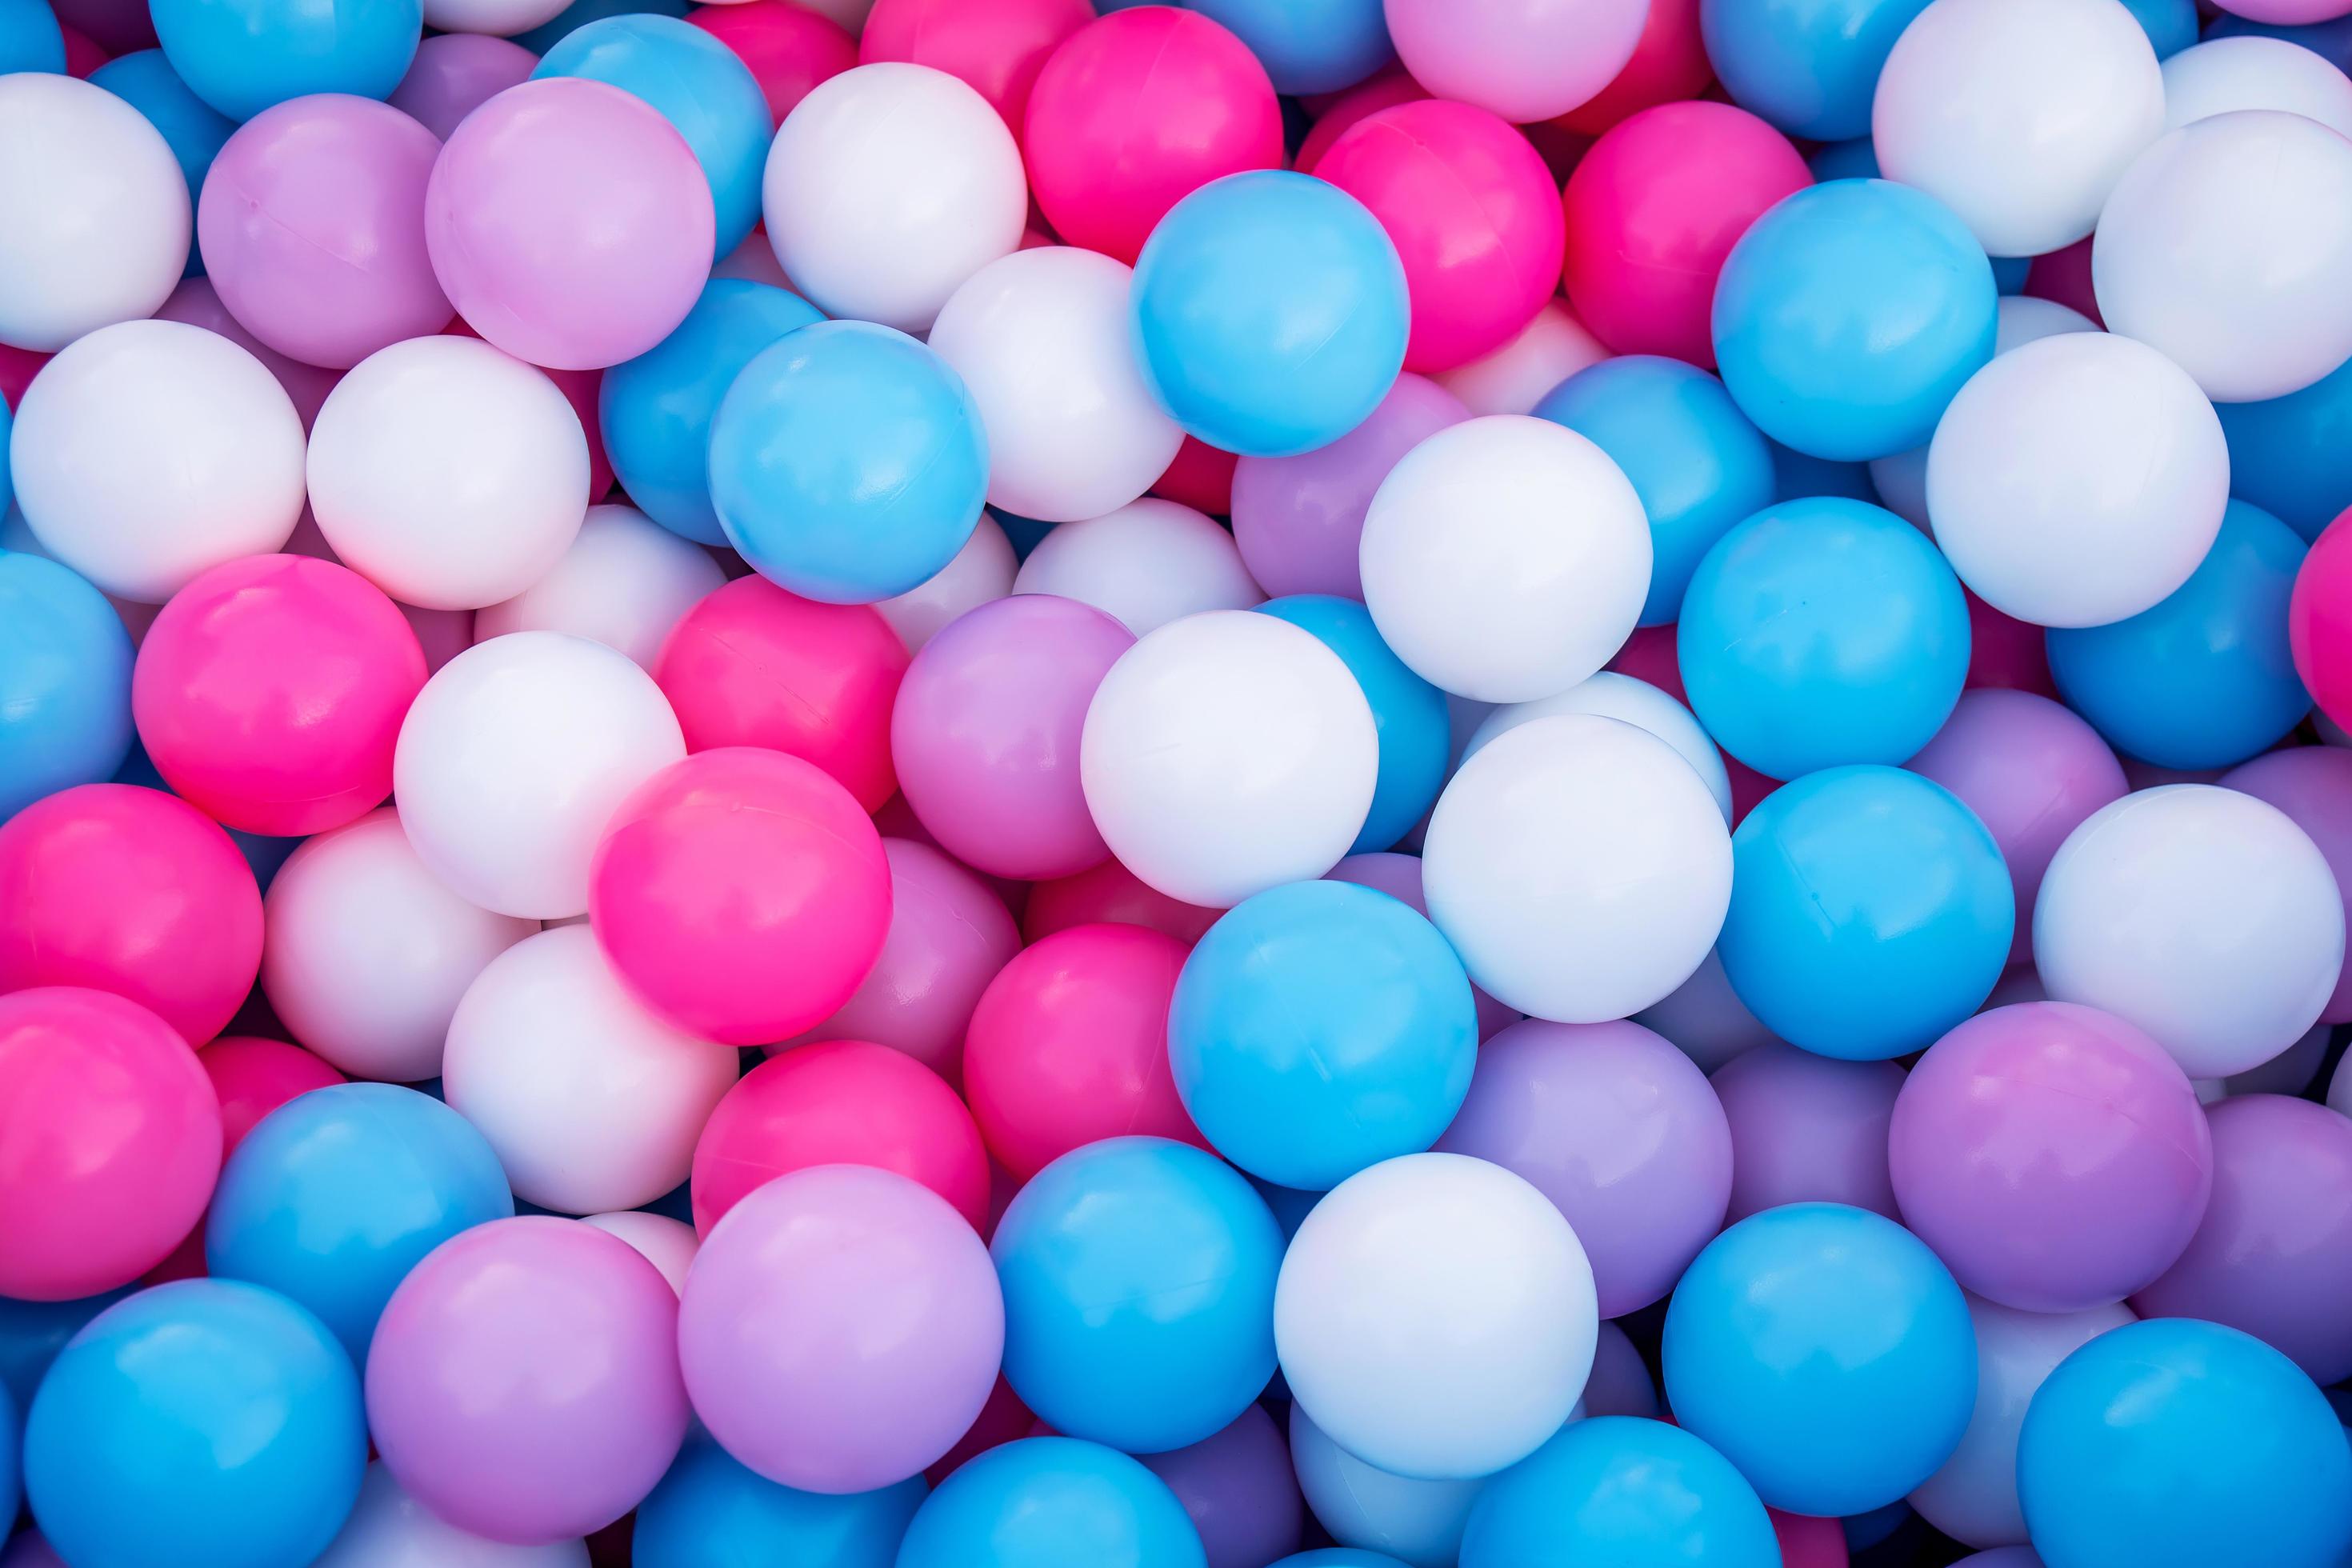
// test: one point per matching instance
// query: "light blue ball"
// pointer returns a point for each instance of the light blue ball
(1627, 1492)
(204, 1424)
(1051, 1502)
(2170, 24)
(335, 1195)
(31, 41)
(1871, 911)
(1693, 458)
(1822, 632)
(1416, 737)
(1796, 476)
(1139, 1293)
(1849, 314)
(711, 1512)
(1270, 314)
(1320, 1027)
(2293, 456)
(580, 13)
(1339, 1557)
(847, 463)
(2204, 678)
(65, 682)
(2174, 1443)
(245, 56)
(1308, 46)
(655, 411)
(1810, 66)
(1825, 1353)
(699, 85)
(193, 129)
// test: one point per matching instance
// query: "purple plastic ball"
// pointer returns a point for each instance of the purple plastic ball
(1807, 1129)
(1237, 1487)
(455, 73)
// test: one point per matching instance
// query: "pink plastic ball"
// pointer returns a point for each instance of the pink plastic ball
(1136, 110)
(109, 1142)
(312, 227)
(1669, 65)
(742, 895)
(789, 47)
(1523, 59)
(752, 665)
(195, 302)
(1654, 209)
(985, 733)
(1350, 108)
(1111, 893)
(570, 224)
(133, 891)
(994, 47)
(455, 73)
(252, 1077)
(2291, 13)
(843, 1102)
(269, 693)
(2319, 620)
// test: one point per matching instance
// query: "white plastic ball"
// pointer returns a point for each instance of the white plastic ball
(1435, 1317)
(2229, 74)
(365, 954)
(1514, 378)
(98, 215)
(982, 571)
(513, 759)
(500, 18)
(2020, 115)
(1044, 340)
(2204, 916)
(2077, 480)
(1227, 753)
(1146, 564)
(2228, 246)
(447, 473)
(1705, 1019)
(1579, 868)
(670, 1244)
(590, 1102)
(149, 452)
(389, 1529)
(887, 187)
(1506, 558)
(1610, 695)
(1417, 1523)
(624, 582)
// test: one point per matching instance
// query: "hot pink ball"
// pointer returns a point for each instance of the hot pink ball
(843, 1102)
(789, 47)
(1350, 108)
(1669, 65)
(742, 895)
(569, 222)
(1654, 209)
(133, 891)
(2053, 1155)
(994, 47)
(2319, 620)
(252, 1077)
(109, 1142)
(195, 302)
(752, 665)
(1111, 893)
(1069, 1045)
(985, 733)
(1138, 109)
(269, 693)
(1472, 213)
(312, 227)
(2313, 784)
(455, 73)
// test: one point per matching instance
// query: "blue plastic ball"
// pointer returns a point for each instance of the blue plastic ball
(65, 682)
(1319, 1028)
(2174, 1443)
(2170, 24)
(1871, 911)
(1416, 736)
(1849, 314)
(30, 40)
(1826, 1353)
(1810, 66)
(1820, 632)
(1625, 1491)
(2293, 456)
(655, 411)
(245, 56)
(1051, 1502)
(699, 85)
(204, 1424)
(33, 1333)
(1695, 461)
(1139, 1293)
(335, 1195)
(1308, 46)
(1270, 311)
(711, 1512)
(2204, 678)
(847, 463)
(193, 129)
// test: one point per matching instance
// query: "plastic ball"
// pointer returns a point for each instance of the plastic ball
(1409, 712)
(840, 1328)
(710, 1511)
(1399, 876)
(585, 1410)
(1272, 312)
(1610, 695)
(1669, 64)
(624, 582)
(1109, 892)
(995, 46)
(65, 682)
(1236, 1488)
(30, 38)
(2229, 74)
(789, 47)
(192, 128)
(1704, 1018)
(2177, 248)
(591, 1103)
(2313, 784)
(2077, 480)
(2289, 456)
(100, 214)
(1618, 1489)
(1147, 563)
(1849, 314)
(243, 56)
(389, 1529)
(1654, 209)
(981, 571)
(197, 303)
(1515, 377)
(670, 1244)
(1051, 1502)
(2204, 916)
(1386, 1519)
(455, 73)
(1522, 60)
(252, 1077)
(1826, 1353)
(888, 187)
(2174, 1442)
(2319, 632)
(204, 1422)
(1811, 67)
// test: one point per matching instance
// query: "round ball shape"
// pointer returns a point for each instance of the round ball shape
(2319, 622)
(455, 73)
(1051, 1502)
(65, 682)
(1610, 695)
(252, 1077)
(389, 1529)
(1635, 1491)
(1523, 59)
(2255, 72)
(1238, 1489)
(789, 47)
(709, 1508)
(624, 582)
(1515, 377)
(995, 46)
(246, 56)
(2313, 784)
(1808, 1129)
(981, 571)
(1409, 712)
(1146, 564)
(1380, 1519)
(1810, 68)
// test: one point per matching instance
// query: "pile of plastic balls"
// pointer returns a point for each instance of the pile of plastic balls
(1269, 783)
